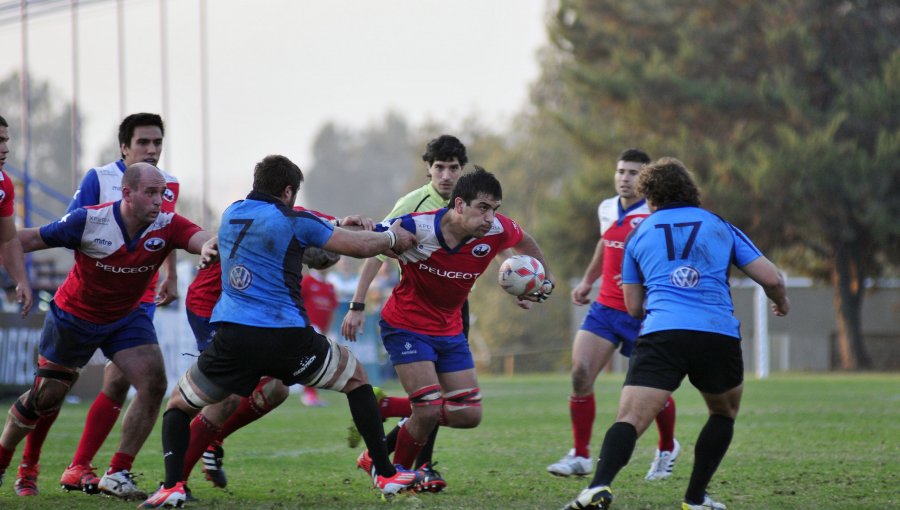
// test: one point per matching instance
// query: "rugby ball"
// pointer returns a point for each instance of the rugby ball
(521, 274)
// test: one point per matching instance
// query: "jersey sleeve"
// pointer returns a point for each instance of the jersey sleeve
(512, 230)
(88, 192)
(745, 251)
(7, 196)
(312, 230)
(183, 229)
(65, 232)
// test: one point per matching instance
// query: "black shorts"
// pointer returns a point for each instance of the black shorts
(713, 362)
(239, 355)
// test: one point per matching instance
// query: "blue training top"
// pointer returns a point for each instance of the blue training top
(261, 243)
(682, 255)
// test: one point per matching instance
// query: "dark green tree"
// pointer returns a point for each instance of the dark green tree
(785, 110)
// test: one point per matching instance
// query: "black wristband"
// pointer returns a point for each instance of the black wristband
(356, 306)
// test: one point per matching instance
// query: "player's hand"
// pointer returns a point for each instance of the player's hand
(364, 222)
(525, 302)
(24, 297)
(580, 293)
(209, 252)
(405, 238)
(353, 322)
(780, 310)
(167, 292)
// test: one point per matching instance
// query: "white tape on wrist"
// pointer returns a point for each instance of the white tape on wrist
(393, 237)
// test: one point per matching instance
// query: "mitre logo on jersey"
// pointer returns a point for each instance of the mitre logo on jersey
(686, 277)
(154, 244)
(240, 277)
(481, 250)
(102, 242)
(169, 195)
(636, 221)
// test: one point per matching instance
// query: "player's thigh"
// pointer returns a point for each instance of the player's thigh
(416, 375)
(639, 405)
(142, 365)
(725, 404)
(590, 353)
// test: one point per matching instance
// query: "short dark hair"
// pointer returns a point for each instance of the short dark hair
(471, 184)
(667, 181)
(3, 122)
(273, 173)
(445, 148)
(634, 155)
(129, 123)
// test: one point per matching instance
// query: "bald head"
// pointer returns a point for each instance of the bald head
(137, 172)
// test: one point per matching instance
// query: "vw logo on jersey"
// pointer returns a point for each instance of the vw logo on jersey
(240, 277)
(636, 221)
(685, 277)
(481, 250)
(169, 195)
(154, 244)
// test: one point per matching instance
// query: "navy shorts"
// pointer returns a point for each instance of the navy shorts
(203, 330)
(448, 353)
(713, 362)
(71, 341)
(239, 355)
(613, 326)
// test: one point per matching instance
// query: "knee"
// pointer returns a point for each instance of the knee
(153, 387)
(463, 408)
(582, 379)
(269, 393)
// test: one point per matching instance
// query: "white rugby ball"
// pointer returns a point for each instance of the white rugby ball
(521, 274)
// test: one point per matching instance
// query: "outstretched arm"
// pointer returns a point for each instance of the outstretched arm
(354, 320)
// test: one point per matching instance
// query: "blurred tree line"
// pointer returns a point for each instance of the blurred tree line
(786, 112)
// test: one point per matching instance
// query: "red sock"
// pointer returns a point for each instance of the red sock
(121, 462)
(5, 458)
(35, 439)
(202, 433)
(99, 423)
(582, 410)
(407, 448)
(395, 407)
(665, 423)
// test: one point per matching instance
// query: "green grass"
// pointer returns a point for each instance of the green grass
(801, 442)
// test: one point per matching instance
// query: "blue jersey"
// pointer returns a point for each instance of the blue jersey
(261, 243)
(682, 255)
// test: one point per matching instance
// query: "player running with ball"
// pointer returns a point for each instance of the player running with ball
(421, 327)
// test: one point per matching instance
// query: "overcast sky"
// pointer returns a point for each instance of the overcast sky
(280, 69)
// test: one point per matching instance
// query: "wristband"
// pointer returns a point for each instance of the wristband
(356, 306)
(393, 237)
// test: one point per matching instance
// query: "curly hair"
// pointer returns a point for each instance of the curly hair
(666, 181)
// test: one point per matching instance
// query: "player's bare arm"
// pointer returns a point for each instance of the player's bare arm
(31, 240)
(368, 244)
(354, 320)
(14, 260)
(634, 299)
(581, 292)
(764, 272)
(209, 253)
(167, 290)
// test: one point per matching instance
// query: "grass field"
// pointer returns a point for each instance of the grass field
(801, 442)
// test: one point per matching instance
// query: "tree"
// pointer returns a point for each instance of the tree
(785, 110)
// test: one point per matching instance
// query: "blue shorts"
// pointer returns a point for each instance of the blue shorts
(151, 309)
(203, 330)
(613, 326)
(448, 353)
(71, 341)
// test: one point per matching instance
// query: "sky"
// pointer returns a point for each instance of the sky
(279, 70)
